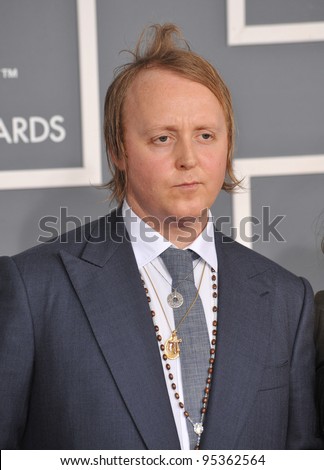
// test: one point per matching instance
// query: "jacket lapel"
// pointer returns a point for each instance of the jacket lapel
(108, 284)
(242, 338)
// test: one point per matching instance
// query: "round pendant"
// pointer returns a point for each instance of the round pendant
(172, 348)
(175, 299)
(198, 428)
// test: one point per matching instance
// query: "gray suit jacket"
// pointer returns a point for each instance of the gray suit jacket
(80, 365)
(319, 339)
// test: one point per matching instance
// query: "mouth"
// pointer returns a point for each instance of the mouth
(188, 186)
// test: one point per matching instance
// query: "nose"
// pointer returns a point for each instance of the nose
(186, 157)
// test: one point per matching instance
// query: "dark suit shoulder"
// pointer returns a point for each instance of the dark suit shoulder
(92, 242)
(319, 333)
(319, 300)
(251, 263)
(72, 241)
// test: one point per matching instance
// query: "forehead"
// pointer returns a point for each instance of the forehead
(158, 77)
(162, 85)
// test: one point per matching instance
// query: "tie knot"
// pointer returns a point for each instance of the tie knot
(179, 263)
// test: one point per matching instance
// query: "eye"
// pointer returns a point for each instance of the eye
(206, 136)
(161, 139)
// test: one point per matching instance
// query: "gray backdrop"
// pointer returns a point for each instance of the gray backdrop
(277, 92)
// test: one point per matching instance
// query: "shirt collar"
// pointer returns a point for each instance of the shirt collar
(148, 244)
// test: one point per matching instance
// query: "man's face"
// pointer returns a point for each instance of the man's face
(175, 140)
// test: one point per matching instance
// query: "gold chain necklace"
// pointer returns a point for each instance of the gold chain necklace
(172, 344)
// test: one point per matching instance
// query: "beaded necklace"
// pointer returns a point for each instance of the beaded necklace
(198, 427)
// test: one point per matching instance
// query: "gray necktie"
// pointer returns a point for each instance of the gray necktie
(195, 346)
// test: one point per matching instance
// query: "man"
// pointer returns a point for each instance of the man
(93, 355)
(319, 328)
(319, 341)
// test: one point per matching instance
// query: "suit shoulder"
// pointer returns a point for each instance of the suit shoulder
(72, 241)
(254, 263)
(319, 300)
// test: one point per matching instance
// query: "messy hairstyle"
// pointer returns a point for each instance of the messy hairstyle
(162, 47)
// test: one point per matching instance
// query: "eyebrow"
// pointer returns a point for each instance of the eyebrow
(161, 128)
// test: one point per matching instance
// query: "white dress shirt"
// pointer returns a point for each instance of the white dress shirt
(147, 246)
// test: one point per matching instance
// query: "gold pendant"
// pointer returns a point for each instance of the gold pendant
(172, 348)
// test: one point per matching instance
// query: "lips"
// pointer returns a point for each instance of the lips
(189, 185)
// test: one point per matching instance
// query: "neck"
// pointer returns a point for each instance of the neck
(180, 231)
(183, 233)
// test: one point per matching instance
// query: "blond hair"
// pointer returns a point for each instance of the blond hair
(163, 47)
